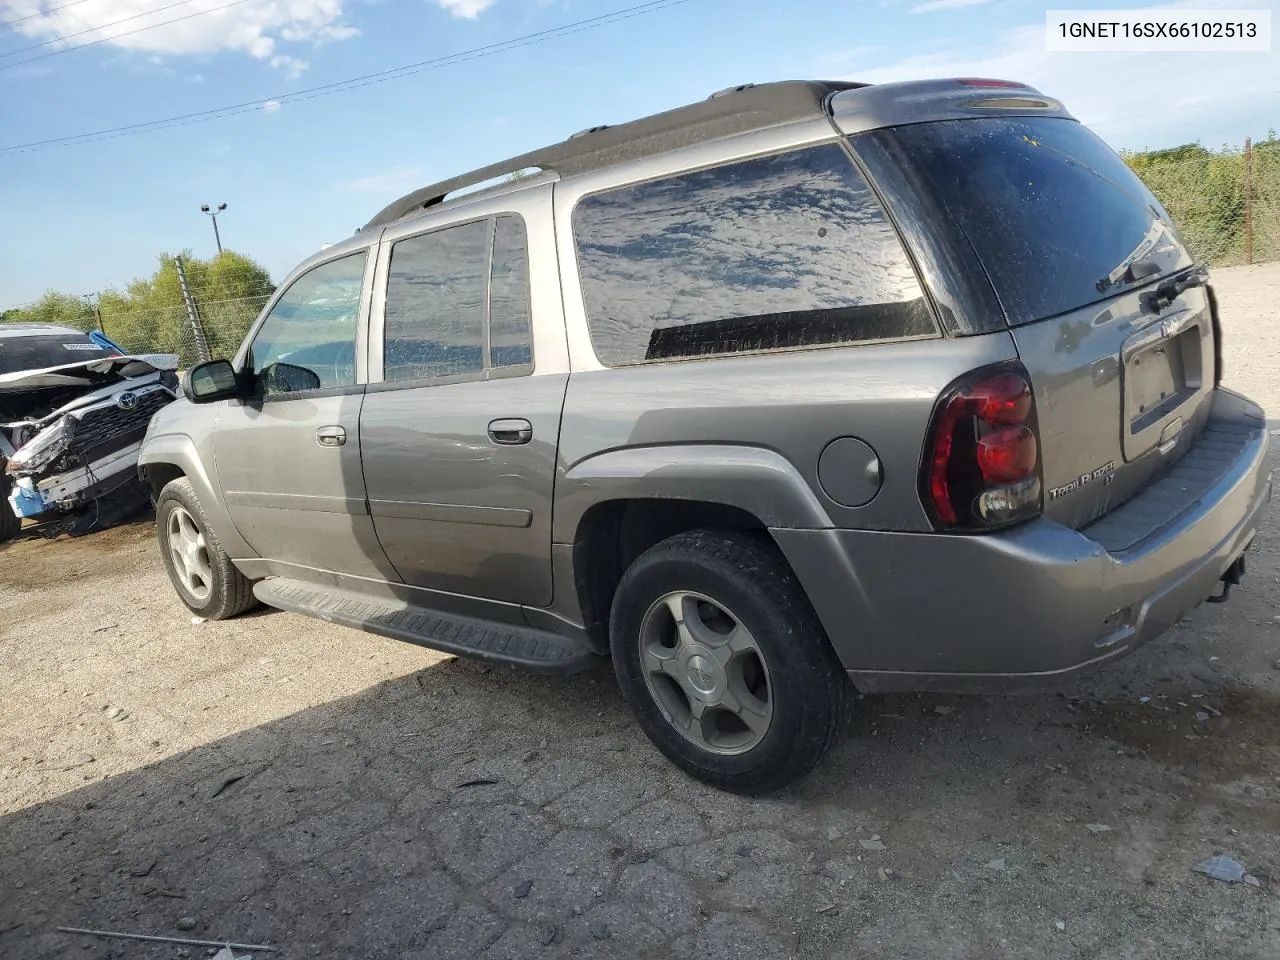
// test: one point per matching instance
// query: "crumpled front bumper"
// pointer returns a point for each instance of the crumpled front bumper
(32, 498)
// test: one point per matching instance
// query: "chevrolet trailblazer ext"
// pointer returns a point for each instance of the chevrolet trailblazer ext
(914, 385)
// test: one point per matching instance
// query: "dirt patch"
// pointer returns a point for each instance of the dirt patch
(34, 562)
(1234, 733)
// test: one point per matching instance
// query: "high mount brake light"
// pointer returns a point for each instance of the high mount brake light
(982, 470)
(991, 84)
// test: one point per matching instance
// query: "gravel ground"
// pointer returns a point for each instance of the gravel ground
(280, 780)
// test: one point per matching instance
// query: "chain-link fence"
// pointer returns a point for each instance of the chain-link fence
(1226, 202)
(216, 328)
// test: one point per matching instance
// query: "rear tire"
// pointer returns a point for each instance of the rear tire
(724, 662)
(200, 570)
(10, 523)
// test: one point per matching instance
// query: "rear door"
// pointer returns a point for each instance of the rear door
(459, 438)
(1092, 277)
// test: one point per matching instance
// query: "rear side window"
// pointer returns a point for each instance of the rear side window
(509, 334)
(1055, 216)
(775, 253)
(458, 303)
(435, 304)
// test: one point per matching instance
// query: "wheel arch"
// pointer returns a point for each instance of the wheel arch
(612, 507)
(164, 459)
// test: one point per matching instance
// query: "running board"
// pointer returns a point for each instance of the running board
(535, 650)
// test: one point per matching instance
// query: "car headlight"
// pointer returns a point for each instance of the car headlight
(44, 448)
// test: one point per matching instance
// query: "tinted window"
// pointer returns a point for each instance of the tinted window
(435, 304)
(509, 339)
(776, 253)
(308, 341)
(1054, 214)
(47, 350)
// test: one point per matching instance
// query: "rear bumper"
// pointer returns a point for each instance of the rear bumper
(1040, 602)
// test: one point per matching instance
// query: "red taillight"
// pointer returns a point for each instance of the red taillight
(984, 82)
(983, 467)
(1004, 398)
(1007, 455)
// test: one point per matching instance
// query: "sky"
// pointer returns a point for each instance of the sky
(297, 169)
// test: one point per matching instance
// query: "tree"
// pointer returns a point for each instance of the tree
(62, 309)
(150, 315)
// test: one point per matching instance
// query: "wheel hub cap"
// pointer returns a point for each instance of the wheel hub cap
(703, 675)
(706, 673)
(190, 554)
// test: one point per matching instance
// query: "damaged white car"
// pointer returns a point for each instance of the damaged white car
(73, 411)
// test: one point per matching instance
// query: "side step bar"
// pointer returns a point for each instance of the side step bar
(534, 650)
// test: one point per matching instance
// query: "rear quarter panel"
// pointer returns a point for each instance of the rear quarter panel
(792, 404)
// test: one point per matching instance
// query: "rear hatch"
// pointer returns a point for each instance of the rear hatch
(1110, 316)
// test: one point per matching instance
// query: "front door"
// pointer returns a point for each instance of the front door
(288, 460)
(459, 440)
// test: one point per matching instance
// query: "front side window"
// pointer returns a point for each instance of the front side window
(308, 340)
(781, 252)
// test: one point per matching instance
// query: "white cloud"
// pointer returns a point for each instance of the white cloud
(393, 181)
(255, 27)
(465, 9)
(270, 106)
(1132, 99)
(292, 66)
(932, 6)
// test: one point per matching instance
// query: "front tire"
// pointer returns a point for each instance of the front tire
(200, 570)
(724, 662)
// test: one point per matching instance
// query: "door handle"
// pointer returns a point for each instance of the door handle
(331, 436)
(510, 432)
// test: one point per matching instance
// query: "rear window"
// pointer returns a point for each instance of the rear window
(774, 253)
(1056, 217)
(47, 350)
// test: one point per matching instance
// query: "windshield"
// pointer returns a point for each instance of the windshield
(47, 350)
(1058, 220)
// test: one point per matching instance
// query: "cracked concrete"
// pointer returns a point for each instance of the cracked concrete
(351, 831)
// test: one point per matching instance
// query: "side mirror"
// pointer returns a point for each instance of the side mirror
(278, 378)
(211, 381)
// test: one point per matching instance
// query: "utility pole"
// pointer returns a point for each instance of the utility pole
(193, 315)
(213, 212)
(1248, 200)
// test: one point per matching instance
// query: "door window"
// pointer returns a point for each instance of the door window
(436, 304)
(458, 303)
(308, 340)
(509, 337)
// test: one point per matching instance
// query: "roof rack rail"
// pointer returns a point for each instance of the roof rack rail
(754, 107)
(728, 90)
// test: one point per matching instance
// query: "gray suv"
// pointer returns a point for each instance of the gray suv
(911, 385)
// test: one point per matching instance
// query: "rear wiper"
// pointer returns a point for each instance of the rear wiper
(1137, 270)
(1168, 290)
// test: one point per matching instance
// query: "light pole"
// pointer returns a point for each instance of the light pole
(204, 208)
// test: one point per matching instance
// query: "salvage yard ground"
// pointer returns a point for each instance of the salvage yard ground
(279, 780)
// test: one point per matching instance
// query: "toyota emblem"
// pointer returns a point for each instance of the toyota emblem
(127, 400)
